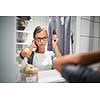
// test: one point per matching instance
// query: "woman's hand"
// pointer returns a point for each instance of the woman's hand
(27, 51)
(55, 41)
(33, 45)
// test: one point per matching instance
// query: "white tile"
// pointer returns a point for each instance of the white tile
(97, 18)
(95, 43)
(87, 43)
(99, 43)
(84, 44)
(91, 29)
(86, 17)
(97, 29)
(85, 24)
(92, 18)
(94, 29)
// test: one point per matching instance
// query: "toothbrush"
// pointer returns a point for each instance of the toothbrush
(54, 33)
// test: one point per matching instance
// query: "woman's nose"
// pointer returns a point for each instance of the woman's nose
(42, 40)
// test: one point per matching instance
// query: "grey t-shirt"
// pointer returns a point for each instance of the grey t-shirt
(80, 73)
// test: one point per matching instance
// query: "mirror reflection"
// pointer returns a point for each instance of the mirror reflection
(40, 39)
(26, 25)
(44, 45)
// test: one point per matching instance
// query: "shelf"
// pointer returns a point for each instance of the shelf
(22, 31)
(22, 36)
(22, 43)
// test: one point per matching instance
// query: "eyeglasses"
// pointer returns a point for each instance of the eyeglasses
(43, 38)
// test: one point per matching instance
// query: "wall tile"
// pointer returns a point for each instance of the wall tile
(87, 43)
(97, 19)
(85, 24)
(86, 17)
(97, 29)
(99, 43)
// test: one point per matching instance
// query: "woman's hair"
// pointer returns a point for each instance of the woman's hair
(38, 29)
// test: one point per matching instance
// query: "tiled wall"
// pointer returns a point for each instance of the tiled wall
(89, 33)
(86, 31)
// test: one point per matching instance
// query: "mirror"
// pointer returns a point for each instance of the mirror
(26, 25)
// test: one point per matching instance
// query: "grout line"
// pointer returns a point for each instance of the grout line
(90, 20)
(88, 36)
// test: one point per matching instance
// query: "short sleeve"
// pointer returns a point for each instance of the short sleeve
(52, 54)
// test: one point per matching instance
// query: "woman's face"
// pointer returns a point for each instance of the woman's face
(41, 39)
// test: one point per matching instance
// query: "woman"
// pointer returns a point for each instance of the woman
(41, 58)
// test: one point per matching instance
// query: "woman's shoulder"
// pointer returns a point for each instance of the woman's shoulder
(52, 54)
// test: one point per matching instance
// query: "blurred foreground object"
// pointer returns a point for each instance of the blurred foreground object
(29, 74)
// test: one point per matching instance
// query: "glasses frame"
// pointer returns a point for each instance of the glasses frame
(43, 38)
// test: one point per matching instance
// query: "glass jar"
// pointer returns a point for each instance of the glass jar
(29, 74)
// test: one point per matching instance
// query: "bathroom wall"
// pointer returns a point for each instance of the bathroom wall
(89, 36)
(86, 33)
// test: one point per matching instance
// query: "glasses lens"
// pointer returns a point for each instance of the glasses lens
(43, 38)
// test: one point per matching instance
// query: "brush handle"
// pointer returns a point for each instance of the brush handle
(54, 32)
(25, 60)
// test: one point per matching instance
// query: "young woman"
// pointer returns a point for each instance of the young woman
(41, 58)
